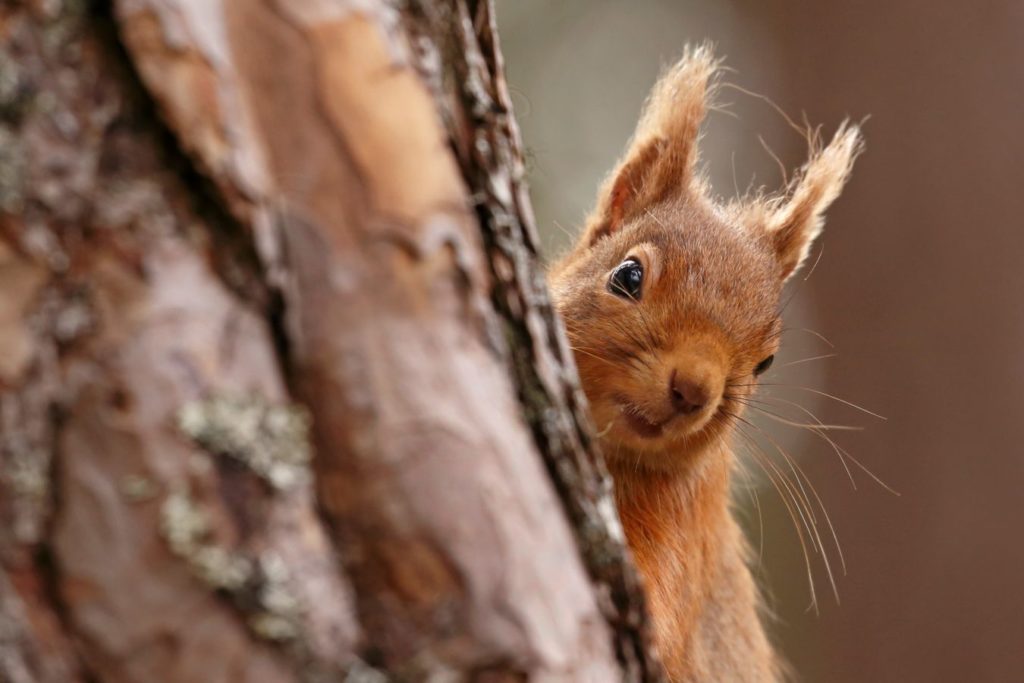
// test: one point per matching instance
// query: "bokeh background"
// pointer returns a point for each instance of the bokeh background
(918, 289)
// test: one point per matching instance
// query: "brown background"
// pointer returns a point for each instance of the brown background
(919, 288)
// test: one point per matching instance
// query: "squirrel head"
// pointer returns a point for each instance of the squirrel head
(672, 300)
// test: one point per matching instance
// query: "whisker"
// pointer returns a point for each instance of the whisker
(735, 183)
(614, 348)
(819, 335)
(629, 334)
(835, 446)
(828, 520)
(752, 492)
(778, 161)
(783, 420)
(803, 132)
(868, 472)
(821, 250)
(828, 395)
(807, 360)
(577, 349)
(804, 502)
(804, 506)
(840, 451)
(813, 391)
(789, 509)
(561, 227)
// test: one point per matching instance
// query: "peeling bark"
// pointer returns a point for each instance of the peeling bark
(282, 394)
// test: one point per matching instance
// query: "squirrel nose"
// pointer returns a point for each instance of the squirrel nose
(687, 395)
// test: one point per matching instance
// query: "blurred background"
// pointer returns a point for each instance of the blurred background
(918, 290)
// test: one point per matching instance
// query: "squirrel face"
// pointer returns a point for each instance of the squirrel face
(671, 300)
(671, 317)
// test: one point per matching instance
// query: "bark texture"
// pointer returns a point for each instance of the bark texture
(282, 396)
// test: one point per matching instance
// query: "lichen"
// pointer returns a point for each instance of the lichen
(24, 467)
(13, 664)
(27, 474)
(260, 587)
(64, 24)
(137, 488)
(15, 93)
(74, 319)
(13, 168)
(280, 611)
(361, 672)
(272, 440)
(186, 527)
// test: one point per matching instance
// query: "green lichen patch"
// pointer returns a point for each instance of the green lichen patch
(272, 440)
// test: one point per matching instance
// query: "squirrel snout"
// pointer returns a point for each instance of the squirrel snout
(691, 392)
(687, 396)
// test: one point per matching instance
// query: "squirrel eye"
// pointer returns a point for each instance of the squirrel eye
(626, 280)
(764, 365)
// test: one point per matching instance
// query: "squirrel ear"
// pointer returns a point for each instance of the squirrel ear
(799, 216)
(660, 158)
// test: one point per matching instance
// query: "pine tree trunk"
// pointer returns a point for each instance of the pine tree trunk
(282, 396)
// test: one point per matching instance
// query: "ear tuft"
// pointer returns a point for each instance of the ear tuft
(797, 218)
(660, 159)
(674, 113)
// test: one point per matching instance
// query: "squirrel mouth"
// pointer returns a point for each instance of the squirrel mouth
(638, 423)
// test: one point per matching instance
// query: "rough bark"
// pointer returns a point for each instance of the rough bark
(469, 84)
(281, 393)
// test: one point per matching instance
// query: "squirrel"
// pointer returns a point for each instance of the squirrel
(671, 302)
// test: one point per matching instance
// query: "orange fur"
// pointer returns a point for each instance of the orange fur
(666, 372)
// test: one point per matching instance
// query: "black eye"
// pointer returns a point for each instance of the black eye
(626, 279)
(764, 365)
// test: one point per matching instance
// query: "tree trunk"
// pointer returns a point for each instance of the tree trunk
(282, 396)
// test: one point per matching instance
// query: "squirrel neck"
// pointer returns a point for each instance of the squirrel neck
(693, 558)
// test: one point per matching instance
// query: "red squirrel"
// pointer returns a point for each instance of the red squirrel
(671, 302)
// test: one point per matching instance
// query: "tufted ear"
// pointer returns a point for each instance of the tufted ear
(659, 161)
(796, 219)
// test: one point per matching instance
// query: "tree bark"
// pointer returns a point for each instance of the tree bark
(282, 395)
